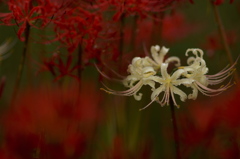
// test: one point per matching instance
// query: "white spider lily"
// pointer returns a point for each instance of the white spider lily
(140, 75)
(168, 86)
(139, 69)
(148, 71)
(158, 55)
(198, 70)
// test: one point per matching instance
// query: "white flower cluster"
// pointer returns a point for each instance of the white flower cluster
(153, 72)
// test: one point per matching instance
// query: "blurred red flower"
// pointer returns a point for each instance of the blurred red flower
(141, 8)
(218, 2)
(214, 42)
(119, 150)
(51, 123)
(25, 13)
(213, 123)
(176, 27)
(78, 26)
(58, 68)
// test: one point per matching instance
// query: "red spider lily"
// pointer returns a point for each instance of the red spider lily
(59, 125)
(77, 27)
(66, 69)
(119, 150)
(213, 123)
(58, 68)
(141, 8)
(218, 2)
(171, 33)
(2, 85)
(29, 12)
(23, 14)
(214, 43)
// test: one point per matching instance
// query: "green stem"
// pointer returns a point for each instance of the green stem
(22, 62)
(175, 129)
(224, 38)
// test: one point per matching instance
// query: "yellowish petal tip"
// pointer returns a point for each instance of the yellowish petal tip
(105, 90)
(181, 67)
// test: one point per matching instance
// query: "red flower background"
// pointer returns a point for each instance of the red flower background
(50, 97)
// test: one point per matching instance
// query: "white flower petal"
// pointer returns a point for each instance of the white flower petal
(177, 74)
(157, 91)
(190, 60)
(194, 94)
(157, 47)
(155, 55)
(149, 82)
(173, 59)
(164, 73)
(138, 96)
(179, 92)
(184, 81)
(135, 59)
(148, 71)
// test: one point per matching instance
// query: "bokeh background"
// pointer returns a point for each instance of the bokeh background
(58, 109)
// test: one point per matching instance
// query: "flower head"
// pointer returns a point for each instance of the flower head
(152, 71)
(168, 85)
(140, 74)
(197, 71)
(158, 55)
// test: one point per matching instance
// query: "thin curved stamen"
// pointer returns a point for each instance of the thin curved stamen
(148, 104)
(128, 92)
(117, 74)
(210, 92)
(104, 75)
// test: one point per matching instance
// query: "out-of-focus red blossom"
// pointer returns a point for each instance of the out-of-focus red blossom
(144, 33)
(78, 26)
(58, 68)
(51, 123)
(218, 2)
(119, 150)
(176, 27)
(2, 85)
(141, 8)
(207, 121)
(224, 148)
(29, 12)
(214, 43)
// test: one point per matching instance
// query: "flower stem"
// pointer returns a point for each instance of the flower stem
(134, 32)
(22, 63)
(121, 42)
(224, 38)
(79, 63)
(175, 129)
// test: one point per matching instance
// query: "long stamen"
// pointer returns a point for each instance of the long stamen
(211, 92)
(148, 104)
(117, 74)
(128, 92)
(174, 101)
(104, 75)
